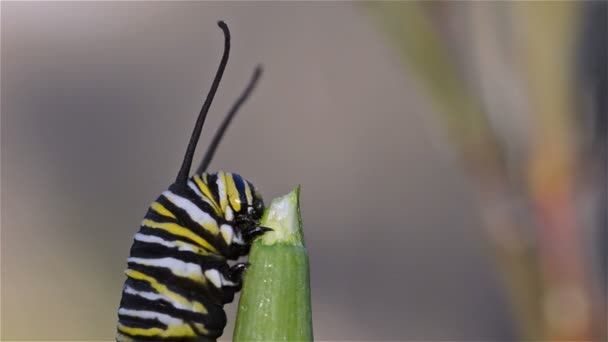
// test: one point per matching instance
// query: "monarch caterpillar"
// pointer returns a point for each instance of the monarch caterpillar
(178, 277)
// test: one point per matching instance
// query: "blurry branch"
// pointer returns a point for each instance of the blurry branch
(592, 85)
(462, 114)
(514, 129)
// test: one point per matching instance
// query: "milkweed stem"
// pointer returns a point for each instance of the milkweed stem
(275, 300)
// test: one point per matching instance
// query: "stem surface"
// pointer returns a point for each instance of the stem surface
(275, 301)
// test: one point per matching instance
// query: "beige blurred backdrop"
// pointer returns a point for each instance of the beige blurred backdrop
(99, 100)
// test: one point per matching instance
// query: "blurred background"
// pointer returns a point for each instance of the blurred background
(452, 157)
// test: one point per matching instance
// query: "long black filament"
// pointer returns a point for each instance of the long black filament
(184, 171)
(231, 114)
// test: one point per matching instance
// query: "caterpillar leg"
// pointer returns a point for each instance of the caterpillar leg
(232, 281)
(235, 274)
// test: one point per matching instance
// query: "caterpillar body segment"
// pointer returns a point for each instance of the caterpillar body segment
(178, 277)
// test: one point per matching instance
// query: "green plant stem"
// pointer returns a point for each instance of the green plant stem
(275, 301)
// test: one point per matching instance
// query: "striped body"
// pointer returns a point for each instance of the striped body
(178, 278)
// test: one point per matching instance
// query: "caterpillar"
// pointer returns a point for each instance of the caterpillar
(178, 276)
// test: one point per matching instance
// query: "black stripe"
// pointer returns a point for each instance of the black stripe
(212, 185)
(149, 250)
(185, 287)
(138, 322)
(154, 216)
(139, 285)
(134, 302)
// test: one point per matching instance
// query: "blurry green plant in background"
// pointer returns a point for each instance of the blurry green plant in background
(522, 95)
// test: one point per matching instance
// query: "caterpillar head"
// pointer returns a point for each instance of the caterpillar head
(242, 198)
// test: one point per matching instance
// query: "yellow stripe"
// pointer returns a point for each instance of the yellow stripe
(182, 330)
(178, 230)
(160, 209)
(232, 193)
(163, 290)
(123, 338)
(248, 194)
(200, 327)
(207, 193)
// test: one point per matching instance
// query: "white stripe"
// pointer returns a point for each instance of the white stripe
(221, 191)
(227, 233)
(229, 215)
(195, 213)
(156, 296)
(164, 318)
(177, 267)
(155, 239)
(214, 277)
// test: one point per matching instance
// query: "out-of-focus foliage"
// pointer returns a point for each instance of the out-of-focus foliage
(514, 81)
